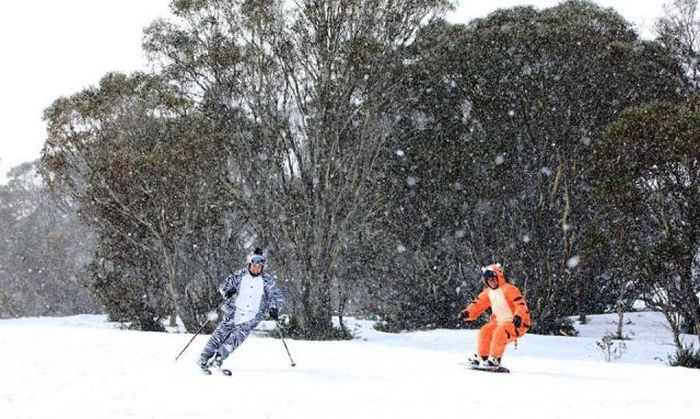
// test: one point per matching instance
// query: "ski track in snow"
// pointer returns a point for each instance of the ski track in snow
(83, 367)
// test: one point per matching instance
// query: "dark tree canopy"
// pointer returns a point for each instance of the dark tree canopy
(648, 168)
(506, 111)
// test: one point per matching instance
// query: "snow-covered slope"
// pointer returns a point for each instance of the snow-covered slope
(83, 367)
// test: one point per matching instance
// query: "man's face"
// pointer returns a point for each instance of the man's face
(255, 269)
(490, 279)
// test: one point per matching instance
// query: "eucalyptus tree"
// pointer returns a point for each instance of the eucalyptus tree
(42, 251)
(300, 92)
(130, 155)
(648, 168)
(609, 263)
(541, 85)
(430, 255)
(678, 30)
(504, 112)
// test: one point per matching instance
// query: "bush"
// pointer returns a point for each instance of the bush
(566, 327)
(687, 356)
(611, 348)
(292, 329)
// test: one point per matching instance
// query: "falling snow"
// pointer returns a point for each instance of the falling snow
(572, 262)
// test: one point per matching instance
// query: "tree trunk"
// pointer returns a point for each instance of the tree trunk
(620, 307)
(674, 322)
(314, 319)
(177, 299)
(691, 300)
(620, 318)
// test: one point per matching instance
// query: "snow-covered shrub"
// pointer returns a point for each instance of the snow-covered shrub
(611, 348)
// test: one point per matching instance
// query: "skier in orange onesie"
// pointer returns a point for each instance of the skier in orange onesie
(509, 320)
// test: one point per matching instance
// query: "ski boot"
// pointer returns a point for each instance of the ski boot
(216, 363)
(492, 362)
(476, 361)
(204, 365)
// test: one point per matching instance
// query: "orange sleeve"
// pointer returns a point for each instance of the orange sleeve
(478, 306)
(517, 301)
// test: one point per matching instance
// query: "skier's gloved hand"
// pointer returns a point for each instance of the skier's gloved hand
(274, 314)
(464, 315)
(517, 321)
(229, 293)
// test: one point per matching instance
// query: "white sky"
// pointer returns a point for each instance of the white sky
(53, 48)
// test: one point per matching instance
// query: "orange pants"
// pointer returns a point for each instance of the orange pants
(493, 338)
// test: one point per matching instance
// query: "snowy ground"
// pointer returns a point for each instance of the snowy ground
(82, 367)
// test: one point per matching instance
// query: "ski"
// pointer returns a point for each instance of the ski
(224, 371)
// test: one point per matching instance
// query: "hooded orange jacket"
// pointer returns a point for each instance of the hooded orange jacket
(513, 297)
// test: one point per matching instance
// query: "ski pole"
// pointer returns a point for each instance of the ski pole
(197, 333)
(279, 329)
(188, 343)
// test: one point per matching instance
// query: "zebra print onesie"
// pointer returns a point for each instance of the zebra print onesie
(254, 297)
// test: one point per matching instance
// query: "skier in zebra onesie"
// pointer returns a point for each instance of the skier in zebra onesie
(250, 293)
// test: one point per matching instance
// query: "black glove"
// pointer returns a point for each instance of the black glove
(517, 321)
(464, 315)
(274, 314)
(229, 293)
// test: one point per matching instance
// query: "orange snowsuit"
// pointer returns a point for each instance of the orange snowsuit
(506, 302)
